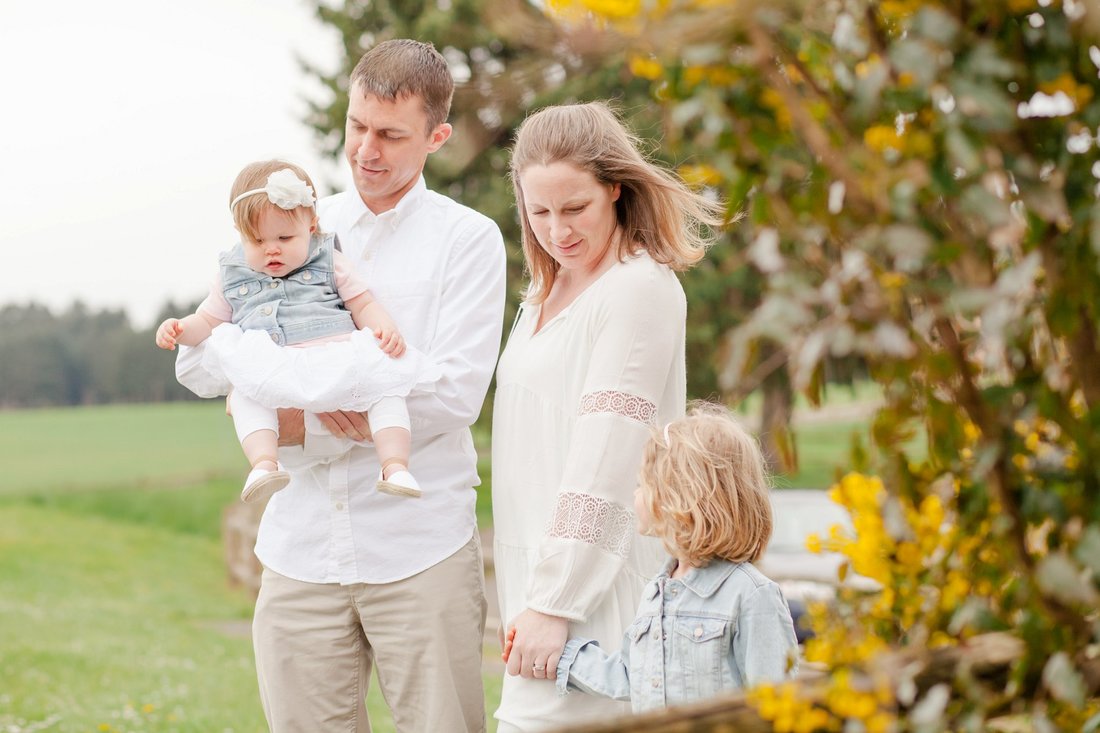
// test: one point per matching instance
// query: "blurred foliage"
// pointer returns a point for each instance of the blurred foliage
(920, 184)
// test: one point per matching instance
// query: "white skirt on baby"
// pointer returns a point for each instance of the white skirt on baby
(333, 375)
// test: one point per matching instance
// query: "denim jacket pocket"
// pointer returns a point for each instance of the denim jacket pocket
(240, 291)
(638, 629)
(309, 276)
(702, 645)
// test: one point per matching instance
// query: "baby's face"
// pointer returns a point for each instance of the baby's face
(282, 243)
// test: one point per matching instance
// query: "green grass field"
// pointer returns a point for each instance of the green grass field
(115, 613)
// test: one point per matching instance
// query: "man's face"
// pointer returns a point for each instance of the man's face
(387, 144)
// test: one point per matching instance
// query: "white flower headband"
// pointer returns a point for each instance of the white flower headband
(284, 189)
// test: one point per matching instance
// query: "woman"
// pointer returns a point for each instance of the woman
(595, 359)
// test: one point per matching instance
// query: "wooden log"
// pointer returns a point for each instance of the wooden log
(912, 672)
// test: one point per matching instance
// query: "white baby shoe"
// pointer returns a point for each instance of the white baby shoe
(262, 483)
(400, 483)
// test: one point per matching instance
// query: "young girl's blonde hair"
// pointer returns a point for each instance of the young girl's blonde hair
(246, 213)
(656, 211)
(705, 484)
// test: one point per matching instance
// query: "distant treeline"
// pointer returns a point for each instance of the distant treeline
(82, 357)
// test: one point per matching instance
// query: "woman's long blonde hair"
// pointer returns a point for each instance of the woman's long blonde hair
(705, 484)
(656, 211)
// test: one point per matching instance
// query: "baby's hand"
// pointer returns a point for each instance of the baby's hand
(508, 644)
(168, 333)
(390, 341)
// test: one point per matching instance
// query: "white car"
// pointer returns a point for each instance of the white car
(805, 576)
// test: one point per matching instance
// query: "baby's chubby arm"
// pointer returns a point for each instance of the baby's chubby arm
(368, 313)
(190, 330)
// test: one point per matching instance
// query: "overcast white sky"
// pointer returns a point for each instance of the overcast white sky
(124, 124)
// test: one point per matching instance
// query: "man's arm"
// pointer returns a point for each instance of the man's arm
(467, 341)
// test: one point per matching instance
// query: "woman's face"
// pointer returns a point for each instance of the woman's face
(571, 213)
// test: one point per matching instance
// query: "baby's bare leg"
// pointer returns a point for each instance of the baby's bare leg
(261, 448)
(393, 445)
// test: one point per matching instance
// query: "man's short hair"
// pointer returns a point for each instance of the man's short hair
(403, 67)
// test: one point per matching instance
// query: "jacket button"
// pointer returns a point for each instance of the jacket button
(698, 631)
(656, 683)
(275, 337)
(267, 310)
(243, 290)
(273, 285)
(307, 276)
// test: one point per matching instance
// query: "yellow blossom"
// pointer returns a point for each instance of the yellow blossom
(882, 137)
(893, 281)
(899, 9)
(1077, 406)
(1080, 93)
(701, 175)
(645, 67)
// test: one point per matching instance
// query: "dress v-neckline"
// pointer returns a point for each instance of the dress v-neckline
(536, 329)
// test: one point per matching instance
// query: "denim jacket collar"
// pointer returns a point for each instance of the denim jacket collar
(703, 582)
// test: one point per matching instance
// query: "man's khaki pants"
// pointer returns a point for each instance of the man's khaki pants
(315, 645)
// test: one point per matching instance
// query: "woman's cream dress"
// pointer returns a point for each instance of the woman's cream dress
(575, 403)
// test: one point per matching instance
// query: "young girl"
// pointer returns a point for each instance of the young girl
(288, 285)
(710, 621)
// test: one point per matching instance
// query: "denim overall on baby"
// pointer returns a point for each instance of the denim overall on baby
(302, 306)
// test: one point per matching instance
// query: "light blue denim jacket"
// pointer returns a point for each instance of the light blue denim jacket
(720, 627)
(301, 306)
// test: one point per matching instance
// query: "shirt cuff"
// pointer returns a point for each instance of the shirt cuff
(320, 443)
(568, 656)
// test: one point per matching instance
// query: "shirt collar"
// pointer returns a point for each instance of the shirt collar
(703, 582)
(410, 202)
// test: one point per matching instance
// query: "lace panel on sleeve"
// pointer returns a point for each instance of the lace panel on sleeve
(593, 520)
(619, 403)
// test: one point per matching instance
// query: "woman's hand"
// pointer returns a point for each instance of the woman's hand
(537, 643)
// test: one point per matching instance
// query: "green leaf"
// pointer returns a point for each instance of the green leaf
(1088, 549)
(1063, 680)
(960, 151)
(936, 25)
(1094, 230)
(1059, 576)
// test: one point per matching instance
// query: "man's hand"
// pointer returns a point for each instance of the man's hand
(343, 424)
(292, 426)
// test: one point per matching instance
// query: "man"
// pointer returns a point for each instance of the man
(352, 577)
